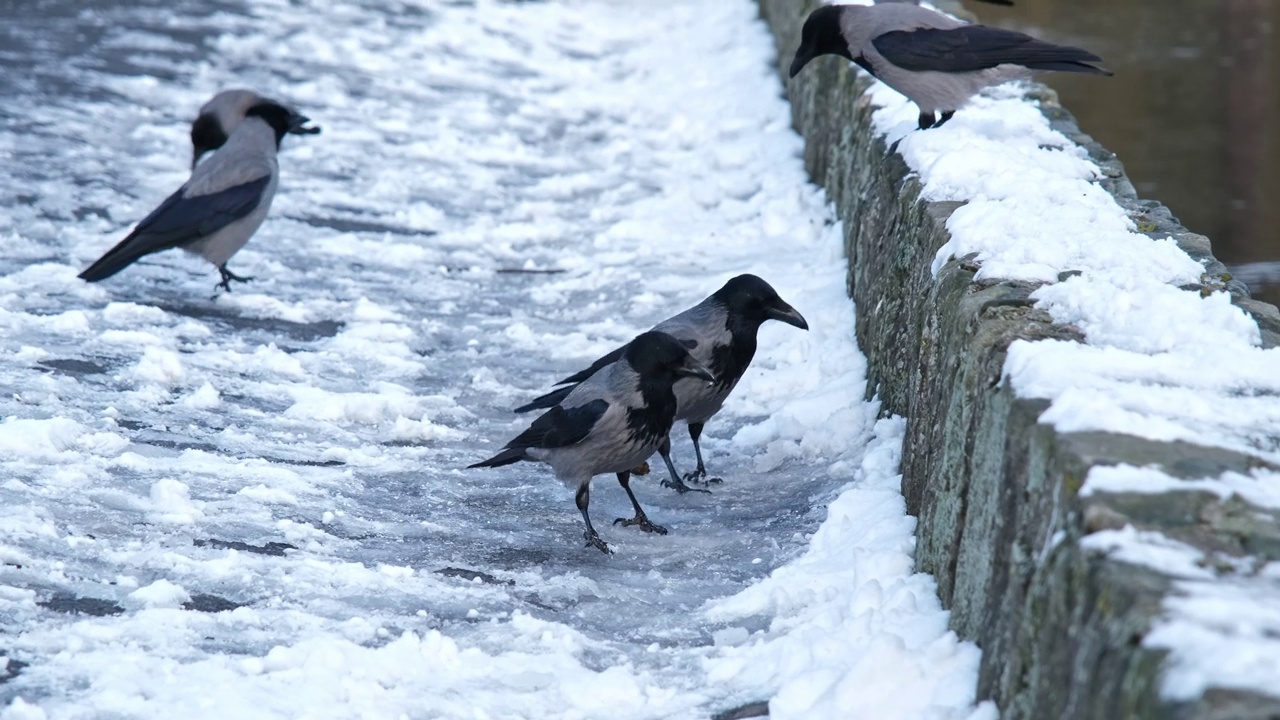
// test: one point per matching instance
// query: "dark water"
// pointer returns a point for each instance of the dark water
(1193, 110)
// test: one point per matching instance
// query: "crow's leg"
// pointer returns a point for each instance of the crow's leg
(593, 539)
(699, 474)
(675, 483)
(945, 117)
(640, 520)
(927, 120)
(227, 277)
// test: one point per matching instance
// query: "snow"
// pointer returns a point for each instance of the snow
(1259, 487)
(38, 439)
(1221, 625)
(1242, 611)
(1149, 548)
(1161, 360)
(171, 503)
(849, 636)
(160, 594)
(265, 491)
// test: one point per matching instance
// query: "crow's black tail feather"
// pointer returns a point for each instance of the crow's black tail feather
(1068, 66)
(117, 258)
(549, 400)
(507, 457)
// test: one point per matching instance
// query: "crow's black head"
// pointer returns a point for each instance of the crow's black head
(220, 117)
(282, 119)
(657, 355)
(821, 36)
(752, 300)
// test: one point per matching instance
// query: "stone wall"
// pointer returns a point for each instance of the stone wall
(996, 493)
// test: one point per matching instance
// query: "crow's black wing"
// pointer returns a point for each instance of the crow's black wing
(560, 427)
(554, 397)
(551, 399)
(180, 220)
(609, 359)
(978, 47)
(556, 428)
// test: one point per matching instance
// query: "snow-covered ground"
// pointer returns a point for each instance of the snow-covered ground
(1159, 361)
(255, 506)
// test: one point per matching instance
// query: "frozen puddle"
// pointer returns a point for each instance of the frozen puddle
(255, 507)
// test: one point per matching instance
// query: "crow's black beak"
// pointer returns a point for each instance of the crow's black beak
(803, 56)
(783, 312)
(297, 125)
(695, 369)
(196, 153)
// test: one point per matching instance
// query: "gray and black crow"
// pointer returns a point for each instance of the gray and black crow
(221, 116)
(720, 332)
(938, 62)
(222, 204)
(610, 422)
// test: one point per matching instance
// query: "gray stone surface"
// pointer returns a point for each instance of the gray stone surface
(996, 493)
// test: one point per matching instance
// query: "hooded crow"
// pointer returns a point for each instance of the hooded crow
(937, 61)
(222, 204)
(720, 332)
(222, 115)
(611, 422)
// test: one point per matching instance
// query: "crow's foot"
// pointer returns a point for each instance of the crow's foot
(593, 540)
(642, 522)
(228, 277)
(700, 476)
(681, 488)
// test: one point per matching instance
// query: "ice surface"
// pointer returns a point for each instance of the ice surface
(1160, 359)
(255, 506)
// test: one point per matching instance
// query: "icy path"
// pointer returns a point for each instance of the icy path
(285, 462)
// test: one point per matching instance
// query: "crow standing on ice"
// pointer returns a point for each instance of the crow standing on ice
(221, 116)
(222, 204)
(720, 332)
(610, 423)
(938, 62)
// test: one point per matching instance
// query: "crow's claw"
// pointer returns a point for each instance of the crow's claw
(641, 522)
(227, 277)
(681, 487)
(593, 540)
(700, 476)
